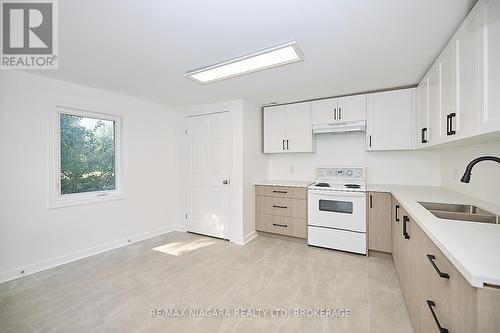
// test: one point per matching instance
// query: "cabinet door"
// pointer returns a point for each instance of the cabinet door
(422, 131)
(447, 89)
(490, 120)
(390, 125)
(324, 111)
(468, 109)
(379, 221)
(396, 232)
(299, 138)
(432, 127)
(352, 108)
(275, 129)
(413, 267)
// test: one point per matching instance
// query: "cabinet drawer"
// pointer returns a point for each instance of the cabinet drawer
(281, 206)
(281, 191)
(449, 285)
(281, 225)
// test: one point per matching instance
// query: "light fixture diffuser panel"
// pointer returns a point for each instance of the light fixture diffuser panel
(272, 57)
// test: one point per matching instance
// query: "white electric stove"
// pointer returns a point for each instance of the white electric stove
(337, 209)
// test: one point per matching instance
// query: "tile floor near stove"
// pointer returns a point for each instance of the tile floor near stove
(125, 290)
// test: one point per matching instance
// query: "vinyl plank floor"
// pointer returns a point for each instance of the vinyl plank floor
(126, 290)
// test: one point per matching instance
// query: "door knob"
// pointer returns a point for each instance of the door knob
(225, 182)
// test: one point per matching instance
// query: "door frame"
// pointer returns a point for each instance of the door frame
(227, 224)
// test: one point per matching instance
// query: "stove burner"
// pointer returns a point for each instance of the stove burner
(322, 185)
(352, 185)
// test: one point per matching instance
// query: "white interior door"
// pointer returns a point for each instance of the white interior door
(208, 174)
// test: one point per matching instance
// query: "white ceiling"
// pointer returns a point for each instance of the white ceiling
(143, 48)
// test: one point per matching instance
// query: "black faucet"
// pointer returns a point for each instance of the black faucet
(467, 173)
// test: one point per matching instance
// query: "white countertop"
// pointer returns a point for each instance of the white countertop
(289, 183)
(474, 248)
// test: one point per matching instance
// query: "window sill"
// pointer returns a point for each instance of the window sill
(54, 204)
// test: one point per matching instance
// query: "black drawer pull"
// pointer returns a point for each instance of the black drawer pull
(441, 274)
(431, 305)
(282, 192)
(397, 208)
(406, 219)
(276, 206)
(280, 225)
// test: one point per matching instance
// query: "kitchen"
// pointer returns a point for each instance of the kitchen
(345, 179)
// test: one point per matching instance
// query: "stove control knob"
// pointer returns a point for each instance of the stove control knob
(349, 172)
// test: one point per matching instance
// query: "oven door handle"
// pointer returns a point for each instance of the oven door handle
(338, 193)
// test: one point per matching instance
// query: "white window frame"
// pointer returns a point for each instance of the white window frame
(56, 199)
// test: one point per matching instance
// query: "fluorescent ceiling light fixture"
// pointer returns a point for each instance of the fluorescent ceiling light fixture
(272, 57)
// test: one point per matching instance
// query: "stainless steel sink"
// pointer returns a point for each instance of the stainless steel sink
(458, 212)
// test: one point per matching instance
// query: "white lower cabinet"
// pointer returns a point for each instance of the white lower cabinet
(288, 129)
(390, 120)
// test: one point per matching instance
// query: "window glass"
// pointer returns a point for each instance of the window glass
(87, 154)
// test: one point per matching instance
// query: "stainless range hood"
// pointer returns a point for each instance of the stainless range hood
(340, 127)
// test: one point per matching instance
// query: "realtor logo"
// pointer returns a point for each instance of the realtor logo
(29, 35)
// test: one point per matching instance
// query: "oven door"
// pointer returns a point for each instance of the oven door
(339, 210)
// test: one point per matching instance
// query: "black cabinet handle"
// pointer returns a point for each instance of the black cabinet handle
(397, 208)
(287, 144)
(370, 141)
(371, 201)
(280, 225)
(406, 219)
(441, 274)
(276, 206)
(283, 144)
(340, 113)
(424, 132)
(282, 192)
(335, 114)
(431, 305)
(448, 124)
(452, 131)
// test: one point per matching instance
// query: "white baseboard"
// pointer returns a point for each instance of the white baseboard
(245, 239)
(47, 264)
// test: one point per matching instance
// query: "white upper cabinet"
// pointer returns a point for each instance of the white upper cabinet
(324, 111)
(390, 120)
(275, 129)
(352, 108)
(433, 104)
(299, 136)
(466, 122)
(463, 82)
(288, 129)
(447, 91)
(422, 131)
(490, 66)
(341, 109)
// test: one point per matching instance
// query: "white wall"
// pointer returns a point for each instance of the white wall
(255, 164)
(392, 167)
(33, 237)
(485, 179)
